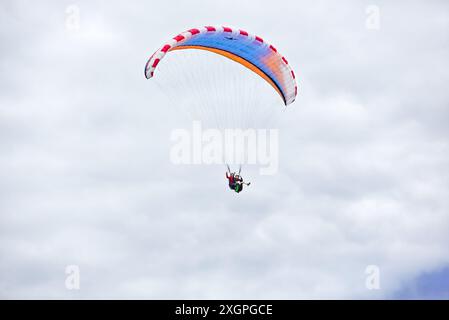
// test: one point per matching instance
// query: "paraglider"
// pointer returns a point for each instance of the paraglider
(240, 104)
(236, 182)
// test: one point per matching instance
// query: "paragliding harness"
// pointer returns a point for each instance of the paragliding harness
(235, 184)
(238, 187)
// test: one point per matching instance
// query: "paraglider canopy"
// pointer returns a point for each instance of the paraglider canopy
(238, 45)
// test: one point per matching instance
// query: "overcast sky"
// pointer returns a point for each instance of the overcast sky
(86, 180)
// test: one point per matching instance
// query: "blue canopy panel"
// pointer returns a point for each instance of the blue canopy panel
(250, 50)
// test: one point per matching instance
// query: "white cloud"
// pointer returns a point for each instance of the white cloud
(85, 175)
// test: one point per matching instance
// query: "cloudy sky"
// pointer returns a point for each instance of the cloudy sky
(86, 179)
